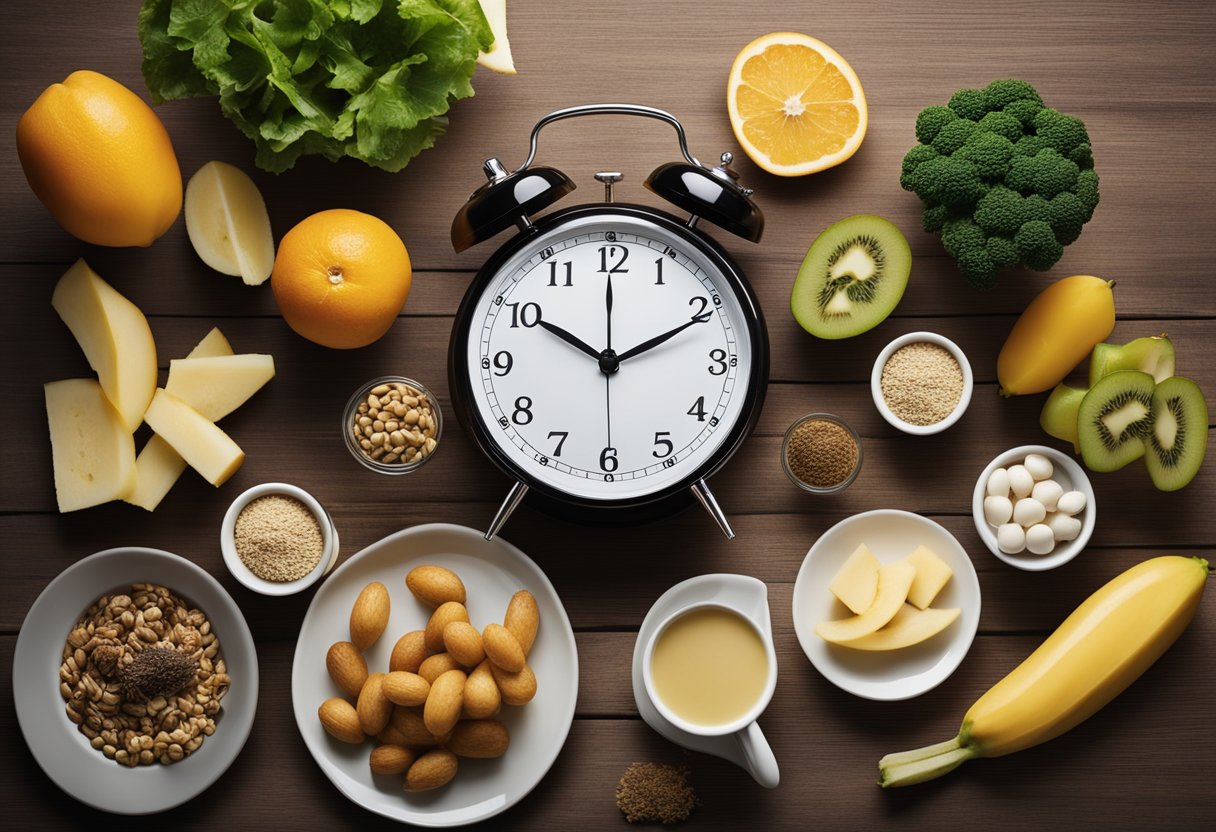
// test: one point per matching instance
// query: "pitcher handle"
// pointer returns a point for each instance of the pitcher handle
(761, 762)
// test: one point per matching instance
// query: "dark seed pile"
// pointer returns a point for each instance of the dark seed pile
(654, 792)
(157, 671)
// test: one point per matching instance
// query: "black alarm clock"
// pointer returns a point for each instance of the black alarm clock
(609, 357)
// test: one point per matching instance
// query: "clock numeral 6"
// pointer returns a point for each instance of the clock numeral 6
(608, 460)
(660, 438)
(698, 409)
(521, 316)
(523, 411)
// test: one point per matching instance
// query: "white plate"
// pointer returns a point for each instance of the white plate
(492, 572)
(63, 752)
(896, 674)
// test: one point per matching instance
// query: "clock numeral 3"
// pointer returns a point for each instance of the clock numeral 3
(620, 253)
(523, 411)
(660, 439)
(569, 277)
(698, 409)
(521, 316)
(608, 460)
(564, 435)
(718, 356)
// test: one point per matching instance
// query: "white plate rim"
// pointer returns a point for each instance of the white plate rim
(237, 643)
(305, 711)
(890, 691)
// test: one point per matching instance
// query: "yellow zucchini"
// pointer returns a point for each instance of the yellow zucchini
(1104, 646)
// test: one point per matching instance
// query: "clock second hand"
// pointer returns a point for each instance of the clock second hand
(608, 351)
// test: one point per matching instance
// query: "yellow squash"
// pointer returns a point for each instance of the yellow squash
(1104, 646)
(1054, 334)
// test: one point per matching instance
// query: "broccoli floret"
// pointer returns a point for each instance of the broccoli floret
(969, 104)
(1005, 180)
(930, 122)
(1038, 247)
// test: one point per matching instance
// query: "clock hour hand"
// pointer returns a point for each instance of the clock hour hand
(571, 339)
(659, 339)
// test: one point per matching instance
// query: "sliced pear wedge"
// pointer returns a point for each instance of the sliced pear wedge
(499, 57)
(227, 222)
(909, 626)
(894, 581)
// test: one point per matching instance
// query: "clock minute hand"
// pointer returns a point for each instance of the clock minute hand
(659, 339)
(570, 339)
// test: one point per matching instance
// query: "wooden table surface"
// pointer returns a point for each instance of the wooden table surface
(1142, 80)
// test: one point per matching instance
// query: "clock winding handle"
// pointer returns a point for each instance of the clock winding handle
(514, 497)
(609, 110)
(706, 497)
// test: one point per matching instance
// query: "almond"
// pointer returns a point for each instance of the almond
(369, 616)
(346, 667)
(435, 585)
(523, 619)
(443, 703)
(481, 738)
(440, 619)
(481, 696)
(402, 688)
(373, 707)
(391, 759)
(463, 642)
(409, 725)
(437, 664)
(516, 688)
(502, 648)
(409, 652)
(430, 771)
(339, 718)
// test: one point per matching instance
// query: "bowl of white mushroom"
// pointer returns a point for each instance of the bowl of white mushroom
(1034, 508)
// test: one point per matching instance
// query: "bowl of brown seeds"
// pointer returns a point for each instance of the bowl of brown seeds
(277, 539)
(392, 425)
(821, 454)
(921, 383)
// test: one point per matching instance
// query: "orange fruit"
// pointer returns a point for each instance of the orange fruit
(795, 104)
(340, 278)
(100, 161)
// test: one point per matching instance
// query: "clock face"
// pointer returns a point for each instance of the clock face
(609, 358)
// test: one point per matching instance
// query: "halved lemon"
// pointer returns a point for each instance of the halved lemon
(795, 104)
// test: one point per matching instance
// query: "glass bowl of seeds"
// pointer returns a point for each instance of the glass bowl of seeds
(821, 453)
(392, 425)
(921, 383)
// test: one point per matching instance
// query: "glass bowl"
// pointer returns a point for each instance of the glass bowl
(406, 461)
(805, 486)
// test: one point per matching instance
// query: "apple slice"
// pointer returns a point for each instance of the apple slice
(205, 447)
(909, 626)
(115, 338)
(217, 386)
(91, 449)
(227, 222)
(894, 579)
(499, 57)
(856, 584)
(932, 573)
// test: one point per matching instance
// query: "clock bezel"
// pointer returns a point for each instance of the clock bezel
(461, 383)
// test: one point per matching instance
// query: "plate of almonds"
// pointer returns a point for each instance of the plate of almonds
(435, 676)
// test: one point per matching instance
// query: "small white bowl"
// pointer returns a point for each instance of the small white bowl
(329, 535)
(1070, 476)
(876, 383)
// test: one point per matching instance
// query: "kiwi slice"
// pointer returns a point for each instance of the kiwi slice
(1178, 438)
(1059, 415)
(852, 278)
(1153, 355)
(1114, 418)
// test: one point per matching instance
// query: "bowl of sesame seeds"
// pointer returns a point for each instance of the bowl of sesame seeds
(921, 383)
(277, 539)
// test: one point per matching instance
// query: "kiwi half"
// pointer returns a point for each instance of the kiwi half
(1178, 440)
(1114, 418)
(1059, 415)
(852, 278)
(1153, 355)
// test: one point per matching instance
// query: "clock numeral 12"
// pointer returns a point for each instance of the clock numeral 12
(553, 273)
(613, 251)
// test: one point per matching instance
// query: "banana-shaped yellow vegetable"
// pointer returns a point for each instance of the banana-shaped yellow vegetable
(1104, 646)
(1055, 333)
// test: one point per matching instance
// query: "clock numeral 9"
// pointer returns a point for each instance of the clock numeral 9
(520, 316)
(502, 361)
(608, 460)
(698, 409)
(569, 266)
(620, 253)
(660, 439)
(523, 411)
(718, 356)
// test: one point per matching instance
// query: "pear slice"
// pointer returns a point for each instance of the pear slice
(894, 581)
(932, 573)
(205, 447)
(218, 385)
(227, 222)
(909, 626)
(499, 57)
(91, 449)
(856, 583)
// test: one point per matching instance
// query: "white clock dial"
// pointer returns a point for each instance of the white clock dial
(609, 358)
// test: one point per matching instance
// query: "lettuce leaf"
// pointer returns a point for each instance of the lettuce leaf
(370, 79)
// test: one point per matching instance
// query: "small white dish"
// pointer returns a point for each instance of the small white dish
(881, 403)
(738, 593)
(329, 536)
(61, 749)
(1070, 476)
(492, 571)
(897, 674)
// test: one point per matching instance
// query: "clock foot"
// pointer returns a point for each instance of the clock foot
(514, 497)
(706, 497)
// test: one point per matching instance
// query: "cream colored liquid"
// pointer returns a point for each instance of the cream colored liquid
(709, 666)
